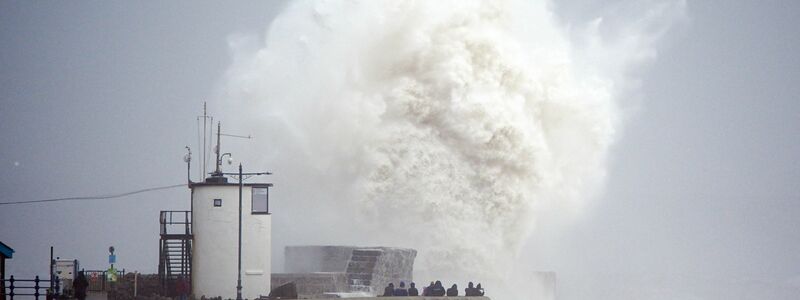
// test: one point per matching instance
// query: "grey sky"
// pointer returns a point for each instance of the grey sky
(701, 200)
(101, 98)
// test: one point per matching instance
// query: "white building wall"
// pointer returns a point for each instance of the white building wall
(214, 253)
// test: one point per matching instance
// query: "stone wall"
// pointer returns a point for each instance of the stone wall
(365, 269)
(418, 298)
(310, 284)
(309, 259)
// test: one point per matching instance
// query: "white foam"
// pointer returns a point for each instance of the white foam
(445, 125)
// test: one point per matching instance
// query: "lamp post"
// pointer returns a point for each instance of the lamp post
(239, 273)
(241, 186)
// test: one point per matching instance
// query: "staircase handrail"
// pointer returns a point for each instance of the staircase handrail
(172, 219)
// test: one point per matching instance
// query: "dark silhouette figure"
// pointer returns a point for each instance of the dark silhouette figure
(427, 290)
(412, 291)
(438, 289)
(401, 291)
(479, 289)
(470, 290)
(79, 286)
(389, 290)
(452, 291)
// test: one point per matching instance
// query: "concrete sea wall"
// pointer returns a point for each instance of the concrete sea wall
(317, 270)
(421, 298)
(309, 284)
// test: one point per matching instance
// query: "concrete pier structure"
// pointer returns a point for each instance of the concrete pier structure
(321, 270)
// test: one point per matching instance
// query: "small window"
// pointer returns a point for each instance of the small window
(260, 200)
(217, 202)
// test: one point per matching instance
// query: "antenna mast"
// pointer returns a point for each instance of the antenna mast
(207, 132)
(217, 175)
(205, 117)
(219, 162)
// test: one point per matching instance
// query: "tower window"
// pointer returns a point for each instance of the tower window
(217, 202)
(260, 201)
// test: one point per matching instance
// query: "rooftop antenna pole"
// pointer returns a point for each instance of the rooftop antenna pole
(219, 162)
(205, 116)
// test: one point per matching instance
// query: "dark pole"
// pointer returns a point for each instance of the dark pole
(218, 172)
(189, 165)
(52, 263)
(239, 274)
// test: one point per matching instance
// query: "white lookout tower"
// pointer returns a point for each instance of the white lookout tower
(223, 243)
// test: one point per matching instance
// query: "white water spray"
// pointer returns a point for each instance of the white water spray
(437, 125)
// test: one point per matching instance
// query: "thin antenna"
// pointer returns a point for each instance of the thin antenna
(237, 136)
(200, 164)
(208, 131)
(205, 116)
(210, 139)
(219, 125)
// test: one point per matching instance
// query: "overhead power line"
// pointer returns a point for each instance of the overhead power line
(97, 197)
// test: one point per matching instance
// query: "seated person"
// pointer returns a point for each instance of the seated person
(479, 289)
(401, 291)
(412, 291)
(438, 289)
(389, 290)
(427, 290)
(453, 291)
(470, 290)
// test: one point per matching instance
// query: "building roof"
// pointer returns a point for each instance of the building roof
(194, 184)
(5, 250)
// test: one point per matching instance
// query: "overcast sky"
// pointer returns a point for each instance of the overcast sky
(701, 201)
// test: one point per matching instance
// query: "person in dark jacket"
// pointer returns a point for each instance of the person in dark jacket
(412, 290)
(470, 290)
(427, 290)
(401, 291)
(79, 286)
(452, 291)
(438, 289)
(389, 290)
(479, 289)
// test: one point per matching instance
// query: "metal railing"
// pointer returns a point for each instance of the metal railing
(98, 279)
(15, 290)
(175, 248)
(176, 222)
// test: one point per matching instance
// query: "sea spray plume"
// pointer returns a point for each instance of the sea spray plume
(441, 125)
(475, 130)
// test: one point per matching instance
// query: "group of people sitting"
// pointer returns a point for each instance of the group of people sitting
(434, 289)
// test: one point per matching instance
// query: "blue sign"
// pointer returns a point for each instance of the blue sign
(112, 259)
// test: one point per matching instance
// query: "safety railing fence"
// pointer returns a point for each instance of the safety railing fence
(98, 279)
(22, 287)
(176, 222)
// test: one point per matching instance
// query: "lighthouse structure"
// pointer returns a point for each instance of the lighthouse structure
(231, 234)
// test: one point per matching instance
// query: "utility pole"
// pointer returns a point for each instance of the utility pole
(239, 280)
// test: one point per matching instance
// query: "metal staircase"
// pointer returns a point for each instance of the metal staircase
(175, 249)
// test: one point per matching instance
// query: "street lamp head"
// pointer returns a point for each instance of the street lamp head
(188, 156)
